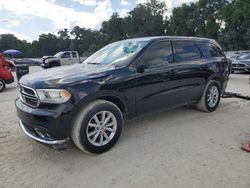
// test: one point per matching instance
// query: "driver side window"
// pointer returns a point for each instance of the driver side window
(66, 55)
(158, 54)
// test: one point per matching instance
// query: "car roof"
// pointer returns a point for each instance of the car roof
(172, 38)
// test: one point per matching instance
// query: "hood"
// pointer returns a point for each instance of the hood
(247, 61)
(65, 75)
(48, 57)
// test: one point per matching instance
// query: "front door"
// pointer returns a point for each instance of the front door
(66, 59)
(157, 85)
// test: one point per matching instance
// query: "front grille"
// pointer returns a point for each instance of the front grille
(238, 65)
(29, 96)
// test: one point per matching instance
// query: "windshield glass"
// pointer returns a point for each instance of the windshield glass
(118, 53)
(245, 56)
(58, 54)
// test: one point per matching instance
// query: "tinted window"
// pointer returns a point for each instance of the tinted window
(158, 54)
(210, 49)
(185, 51)
(74, 54)
(66, 55)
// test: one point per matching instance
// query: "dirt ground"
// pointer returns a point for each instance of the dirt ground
(178, 148)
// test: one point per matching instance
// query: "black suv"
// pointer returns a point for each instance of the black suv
(89, 102)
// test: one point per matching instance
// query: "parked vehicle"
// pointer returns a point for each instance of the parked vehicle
(89, 102)
(61, 58)
(29, 61)
(6, 76)
(242, 63)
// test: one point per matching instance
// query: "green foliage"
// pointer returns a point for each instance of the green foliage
(227, 21)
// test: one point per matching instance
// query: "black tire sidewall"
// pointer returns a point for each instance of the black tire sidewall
(3, 82)
(211, 109)
(83, 136)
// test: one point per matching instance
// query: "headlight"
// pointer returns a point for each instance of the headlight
(55, 96)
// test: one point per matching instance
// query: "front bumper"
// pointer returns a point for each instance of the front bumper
(45, 65)
(240, 67)
(41, 138)
(45, 125)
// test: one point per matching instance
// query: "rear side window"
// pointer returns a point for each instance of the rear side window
(74, 54)
(158, 54)
(210, 49)
(186, 51)
(66, 55)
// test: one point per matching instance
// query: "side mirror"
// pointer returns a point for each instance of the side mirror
(140, 68)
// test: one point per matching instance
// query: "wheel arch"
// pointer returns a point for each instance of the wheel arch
(3, 79)
(216, 78)
(115, 97)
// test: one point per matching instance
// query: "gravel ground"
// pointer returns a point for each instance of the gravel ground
(178, 148)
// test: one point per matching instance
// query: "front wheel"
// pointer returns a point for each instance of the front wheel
(210, 98)
(2, 84)
(97, 127)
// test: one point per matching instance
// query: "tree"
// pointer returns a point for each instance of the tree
(9, 41)
(63, 40)
(113, 29)
(146, 19)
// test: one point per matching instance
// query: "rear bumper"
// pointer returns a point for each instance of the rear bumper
(9, 81)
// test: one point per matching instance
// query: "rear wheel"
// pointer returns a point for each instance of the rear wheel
(97, 127)
(210, 98)
(2, 84)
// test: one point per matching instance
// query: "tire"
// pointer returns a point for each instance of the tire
(86, 124)
(2, 84)
(204, 103)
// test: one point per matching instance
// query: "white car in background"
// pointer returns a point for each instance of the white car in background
(60, 59)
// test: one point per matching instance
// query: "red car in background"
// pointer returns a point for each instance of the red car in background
(6, 76)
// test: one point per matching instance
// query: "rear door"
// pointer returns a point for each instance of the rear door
(75, 58)
(66, 58)
(191, 69)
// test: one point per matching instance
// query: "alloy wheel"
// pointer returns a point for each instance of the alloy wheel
(101, 128)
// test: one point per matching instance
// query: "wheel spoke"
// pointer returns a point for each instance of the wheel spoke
(92, 133)
(101, 138)
(106, 136)
(110, 130)
(93, 125)
(96, 119)
(109, 125)
(107, 119)
(96, 136)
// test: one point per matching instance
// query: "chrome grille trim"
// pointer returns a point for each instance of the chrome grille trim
(25, 96)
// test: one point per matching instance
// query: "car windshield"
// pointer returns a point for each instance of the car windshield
(58, 54)
(118, 53)
(245, 56)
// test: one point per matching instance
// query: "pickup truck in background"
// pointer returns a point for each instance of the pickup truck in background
(61, 58)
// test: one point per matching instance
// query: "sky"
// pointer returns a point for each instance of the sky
(27, 19)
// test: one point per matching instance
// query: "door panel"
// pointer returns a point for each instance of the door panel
(157, 88)
(66, 58)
